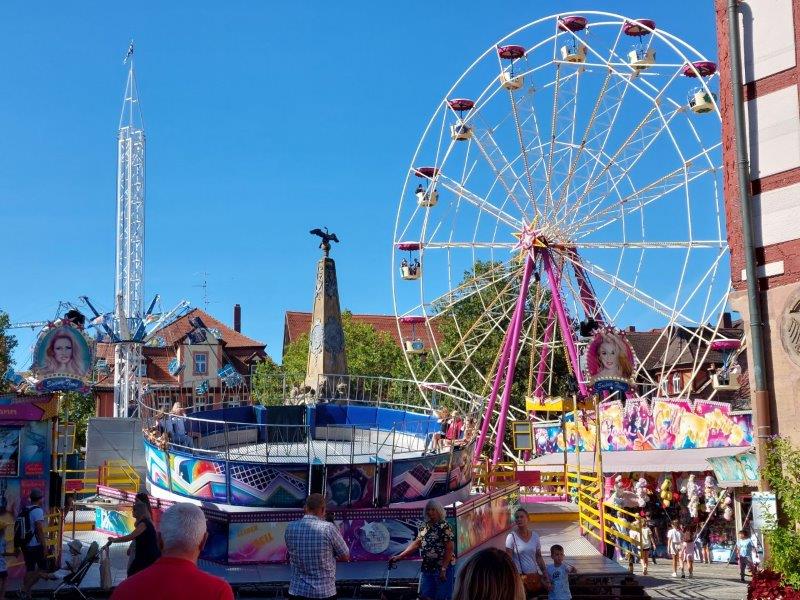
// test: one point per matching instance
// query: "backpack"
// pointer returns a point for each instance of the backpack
(23, 532)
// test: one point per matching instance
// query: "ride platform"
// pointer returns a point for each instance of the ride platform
(551, 512)
(352, 577)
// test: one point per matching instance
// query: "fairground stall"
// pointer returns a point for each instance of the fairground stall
(657, 459)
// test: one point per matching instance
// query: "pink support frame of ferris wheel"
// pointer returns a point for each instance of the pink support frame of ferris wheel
(509, 352)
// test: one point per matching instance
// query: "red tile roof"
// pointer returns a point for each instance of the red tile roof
(240, 349)
(179, 328)
(298, 323)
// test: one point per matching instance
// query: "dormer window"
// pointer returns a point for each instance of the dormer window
(200, 363)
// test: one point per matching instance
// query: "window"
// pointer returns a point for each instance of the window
(204, 402)
(164, 403)
(142, 370)
(676, 383)
(230, 402)
(201, 363)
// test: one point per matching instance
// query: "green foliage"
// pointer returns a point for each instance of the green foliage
(370, 352)
(267, 384)
(77, 408)
(782, 472)
(295, 358)
(7, 344)
(499, 288)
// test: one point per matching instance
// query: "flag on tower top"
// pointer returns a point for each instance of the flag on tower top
(129, 54)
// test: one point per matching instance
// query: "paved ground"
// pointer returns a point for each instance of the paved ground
(716, 581)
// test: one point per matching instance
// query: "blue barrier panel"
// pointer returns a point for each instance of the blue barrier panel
(419, 425)
(260, 414)
(365, 416)
(330, 414)
(390, 418)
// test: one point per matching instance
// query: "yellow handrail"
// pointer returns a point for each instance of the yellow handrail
(120, 474)
(53, 533)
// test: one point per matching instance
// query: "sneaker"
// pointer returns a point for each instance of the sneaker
(683, 575)
(674, 574)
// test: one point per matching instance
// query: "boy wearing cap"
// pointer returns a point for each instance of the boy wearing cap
(33, 552)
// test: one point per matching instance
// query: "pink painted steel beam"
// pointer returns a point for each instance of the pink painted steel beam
(548, 335)
(588, 299)
(493, 395)
(514, 338)
(566, 331)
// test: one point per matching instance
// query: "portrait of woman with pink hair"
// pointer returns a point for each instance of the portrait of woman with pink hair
(609, 357)
(64, 353)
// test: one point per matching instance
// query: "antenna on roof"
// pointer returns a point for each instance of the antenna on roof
(204, 285)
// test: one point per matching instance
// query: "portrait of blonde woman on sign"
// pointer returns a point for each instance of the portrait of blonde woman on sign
(609, 357)
(62, 351)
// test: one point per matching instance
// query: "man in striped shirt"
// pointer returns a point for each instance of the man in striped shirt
(314, 545)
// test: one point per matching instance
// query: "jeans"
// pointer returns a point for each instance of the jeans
(745, 563)
(431, 587)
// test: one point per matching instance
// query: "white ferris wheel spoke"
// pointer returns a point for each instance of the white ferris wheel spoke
(481, 203)
(675, 244)
(661, 187)
(674, 315)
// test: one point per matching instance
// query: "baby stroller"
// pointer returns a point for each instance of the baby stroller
(72, 582)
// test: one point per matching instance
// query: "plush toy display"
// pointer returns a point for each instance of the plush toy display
(666, 492)
(642, 492)
(617, 496)
(710, 492)
(692, 491)
(727, 513)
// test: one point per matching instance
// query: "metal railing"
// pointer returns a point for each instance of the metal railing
(217, 439)
(404, 394)
(605, 522)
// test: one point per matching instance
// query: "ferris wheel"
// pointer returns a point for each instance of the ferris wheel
(566, 187)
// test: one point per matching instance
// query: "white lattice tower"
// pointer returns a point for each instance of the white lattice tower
(129, 288)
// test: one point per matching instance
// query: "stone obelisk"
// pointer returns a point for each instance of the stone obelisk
(326, 352)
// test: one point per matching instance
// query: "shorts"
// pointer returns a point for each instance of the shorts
(34, 558)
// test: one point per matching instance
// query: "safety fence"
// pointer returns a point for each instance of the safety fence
(607, 523)
(532, 483)
(114, 473)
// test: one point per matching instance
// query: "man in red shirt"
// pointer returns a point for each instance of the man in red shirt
(175, 575)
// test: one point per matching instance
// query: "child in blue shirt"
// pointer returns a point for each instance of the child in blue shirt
(558, 574)
(744, 550)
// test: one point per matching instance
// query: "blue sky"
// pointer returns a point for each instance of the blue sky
(263, 121)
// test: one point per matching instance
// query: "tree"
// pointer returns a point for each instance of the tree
(782, 472)
(484, 314)
(369, 353)
(77, 408)
(7, 344)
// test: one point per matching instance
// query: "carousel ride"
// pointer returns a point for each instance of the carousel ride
(566, 187)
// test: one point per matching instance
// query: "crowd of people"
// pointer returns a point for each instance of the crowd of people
(454, 430)
(163, 561)
(170, 427)
(315, 544)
